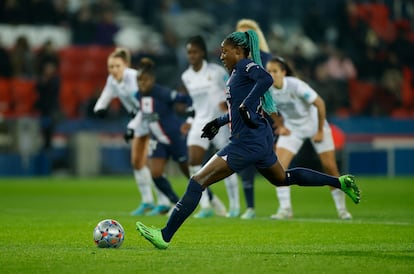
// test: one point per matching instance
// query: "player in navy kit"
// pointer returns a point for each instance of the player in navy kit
(157, 107)
(251, 140)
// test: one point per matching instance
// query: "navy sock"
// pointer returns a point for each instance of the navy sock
(210, 194)
(249, 195)
(184, 207)
(164, 185)
(247, 176)
(308, 177)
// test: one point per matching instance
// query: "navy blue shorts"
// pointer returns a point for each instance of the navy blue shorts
(177, 150)
(241, 155)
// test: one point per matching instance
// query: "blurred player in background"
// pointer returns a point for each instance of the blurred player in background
(157, 107)
(251, 141)
(122, 83)
(302, 116)
(247, 175)
(206, 82)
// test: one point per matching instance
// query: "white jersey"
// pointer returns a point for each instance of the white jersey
(207, 90)
(124, 91)
(295, 102)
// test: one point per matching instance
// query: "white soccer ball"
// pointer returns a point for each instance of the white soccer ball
(108, 233)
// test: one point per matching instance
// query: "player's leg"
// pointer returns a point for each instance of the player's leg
(326, 152)
(329, 165)
(247, 177)
(276, 175)
(284, 211)
(213, 171)
(286, 148)
(142, 174)
(232, 187)
(157, 166)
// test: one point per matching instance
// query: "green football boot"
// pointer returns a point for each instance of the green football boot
(153, 235)
(349, 186)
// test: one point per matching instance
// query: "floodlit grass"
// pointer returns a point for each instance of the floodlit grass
(47, 226)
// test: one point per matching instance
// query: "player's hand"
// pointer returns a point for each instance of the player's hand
(185, 128)
(245, 115)
(281, 130)
(318, 137)
(210, 129)
(128, 135)
(101, 113)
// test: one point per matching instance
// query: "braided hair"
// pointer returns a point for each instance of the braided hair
(249, 42)
(199, 42)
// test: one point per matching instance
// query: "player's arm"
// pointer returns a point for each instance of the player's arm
(278, 124)
(103, 101)
(320, 106)
(212, 128)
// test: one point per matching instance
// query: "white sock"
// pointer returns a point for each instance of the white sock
(339, 199)
(283, 194)
(144, 183)
(205, 200)
(161, 198)
(232, 186)
(193, 169)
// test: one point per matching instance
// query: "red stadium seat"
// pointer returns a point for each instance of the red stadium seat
(360, 95)
(68, 100)
(5, 97)
(24, 96)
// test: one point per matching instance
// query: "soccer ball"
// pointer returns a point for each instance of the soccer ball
(108, 233)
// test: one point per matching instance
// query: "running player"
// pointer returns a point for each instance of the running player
(251, 139)
(303, 113)
(206, 83)
(247, 175)
(122, 83)
(157, 107)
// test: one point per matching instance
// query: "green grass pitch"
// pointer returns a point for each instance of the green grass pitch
(47, 224)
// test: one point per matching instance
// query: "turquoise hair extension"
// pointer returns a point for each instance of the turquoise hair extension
(268, 104)
(250, 40)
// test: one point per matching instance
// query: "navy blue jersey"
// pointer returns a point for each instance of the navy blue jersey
(158, 109)
(247, 84)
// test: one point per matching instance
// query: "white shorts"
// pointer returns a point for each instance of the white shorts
(140, 127)
(219, 141)
(293, 143)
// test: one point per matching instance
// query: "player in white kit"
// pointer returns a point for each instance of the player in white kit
(302, 116)
(122, 83)
(205, 82)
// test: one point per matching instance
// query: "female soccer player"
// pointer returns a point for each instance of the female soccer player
(247, 175)
(251, 138)
(157, 107)
(122, 83)
(303, 114)
(206, 82)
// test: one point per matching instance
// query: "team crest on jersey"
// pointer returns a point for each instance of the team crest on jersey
(250, 65)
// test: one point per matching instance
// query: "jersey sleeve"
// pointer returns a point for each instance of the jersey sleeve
(105, 98)
(263, 82)
(305, 92)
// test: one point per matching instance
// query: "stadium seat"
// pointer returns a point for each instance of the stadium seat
(24, 96)
(407, 88)
(360, 95)
(68, 100)
(5, 97)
